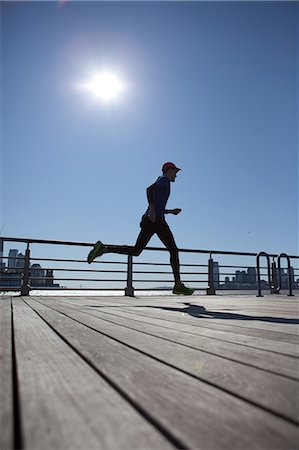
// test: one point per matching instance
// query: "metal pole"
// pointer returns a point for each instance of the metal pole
(1, 258)
(1, 252)
(259, 290)
(290, 294)
(25, 288)
(129, 290)
(284, 255)
(274, 285)
(211, 287)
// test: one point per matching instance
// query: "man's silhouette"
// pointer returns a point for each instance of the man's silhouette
(153, 222)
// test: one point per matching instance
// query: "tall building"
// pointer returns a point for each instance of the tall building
(49, 280)
(241, 276)
(251, 277)
(37, 275)
(13, 253)
(216, 277)
(20, 262)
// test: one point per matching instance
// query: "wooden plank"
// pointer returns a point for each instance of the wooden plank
(179, 323)
(191, 408)
(274, 331)
(6, 378)
(241, 379)
(269, 360)
(65, 404)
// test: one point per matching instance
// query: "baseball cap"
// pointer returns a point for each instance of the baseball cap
(169, 165)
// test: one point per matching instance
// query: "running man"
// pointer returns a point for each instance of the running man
(153, 221)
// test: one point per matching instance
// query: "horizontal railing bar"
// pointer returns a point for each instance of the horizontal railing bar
(11, 269)
(77, 260)
(43, 288)
(12, 257)
(76, 270)
(78, 279)
(168, 281)
(166, 289)
(10, 288)
(124, 263)
(91, 244)
(182, 273)
(110, 271)
(47, 241)
(11, 278)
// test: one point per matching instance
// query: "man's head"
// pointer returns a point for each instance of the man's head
(170, 170)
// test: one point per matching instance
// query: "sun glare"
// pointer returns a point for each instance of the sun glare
(104, 86)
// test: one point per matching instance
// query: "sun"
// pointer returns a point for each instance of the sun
(105, 86)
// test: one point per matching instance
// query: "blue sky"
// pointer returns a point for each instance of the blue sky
(210, 86)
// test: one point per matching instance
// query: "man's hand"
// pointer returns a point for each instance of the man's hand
(176, 211)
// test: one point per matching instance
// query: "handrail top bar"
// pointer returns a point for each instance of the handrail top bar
(88, 244)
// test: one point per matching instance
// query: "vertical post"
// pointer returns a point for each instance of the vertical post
(274, 285)
(289, 269)
(1, 252)
(1, 258)
(259, 290)
(290, 294)
(25, 288)
(129, 290)
(211, 287)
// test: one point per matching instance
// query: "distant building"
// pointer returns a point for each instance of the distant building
(216, 276)
(251, 275)
(12, 262)
(20, 262)
(37, 275)
(49, 279)
(11, 276)
(242, 279)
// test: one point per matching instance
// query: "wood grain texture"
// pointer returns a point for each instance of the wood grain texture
(198, 413)
(203, 373)
(244, 380)
(267, 359)
(65, 404)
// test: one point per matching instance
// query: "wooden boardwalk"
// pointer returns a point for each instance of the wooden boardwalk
(149, 373)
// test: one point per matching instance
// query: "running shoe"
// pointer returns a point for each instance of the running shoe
(182, 290)
(98, 249)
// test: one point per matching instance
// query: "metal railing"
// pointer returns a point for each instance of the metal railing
(208, 274)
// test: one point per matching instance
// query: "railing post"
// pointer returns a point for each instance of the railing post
(259, 290)
(129, 290)
(284, 255)
(25, 288)
(211, 287)
(1, 252)
(274, 285)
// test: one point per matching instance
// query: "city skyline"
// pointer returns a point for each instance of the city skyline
(11, 275)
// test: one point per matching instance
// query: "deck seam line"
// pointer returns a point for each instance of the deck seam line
(17, 417)
(222, 389)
